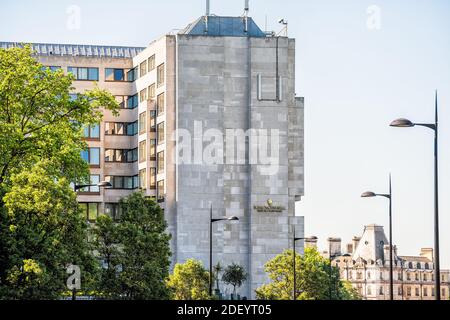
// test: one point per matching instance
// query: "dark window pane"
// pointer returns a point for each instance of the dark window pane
(118, 74)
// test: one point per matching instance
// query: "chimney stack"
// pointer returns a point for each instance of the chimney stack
(427, 253)
(355, 242)
(334, 247)
(311, 242)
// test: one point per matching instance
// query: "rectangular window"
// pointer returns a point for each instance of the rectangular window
(94, 180)
(123, 182)
(90, 210)
(152, 178)
(152, 91)
(152, 149)
(113, 210)
(121, 128)
(121, 155)
(143, 95)
(143, 69)
(417, 292)
(160, 75)
(114, 74)
(91, 132)
(132, 75)
(91, 156)
(143, 151)
(153, 120)
(160, 104)
(90, 74)
(151, 63)
(160, 162)
(160, 132)
(160, 190)
(143, 179)
(142, 122)
(132, 101)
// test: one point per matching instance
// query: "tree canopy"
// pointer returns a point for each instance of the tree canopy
(189, 281)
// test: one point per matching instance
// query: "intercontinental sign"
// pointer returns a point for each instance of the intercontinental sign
(269, 207)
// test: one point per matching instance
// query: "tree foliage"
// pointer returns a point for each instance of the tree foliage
(189, 281)
(235, 276)
(135, 251)
(41, 228)
(315, 278)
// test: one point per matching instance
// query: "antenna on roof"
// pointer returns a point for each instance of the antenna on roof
(207, 8)
(246, 11)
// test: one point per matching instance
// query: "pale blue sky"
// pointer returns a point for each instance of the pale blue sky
(354, 80)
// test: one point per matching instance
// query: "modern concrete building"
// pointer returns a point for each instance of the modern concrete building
(365, 263)
(209, 118)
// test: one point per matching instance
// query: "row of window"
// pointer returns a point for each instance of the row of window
(92, 155)
(417, 277)
(121, 128)
(115, 74)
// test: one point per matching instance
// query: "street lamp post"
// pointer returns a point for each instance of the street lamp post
(294, 263)
(405, 123)
(76, 188)
(211, 221)
(370, 194)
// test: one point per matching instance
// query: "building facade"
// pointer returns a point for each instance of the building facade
(365, 263)
(208, 119)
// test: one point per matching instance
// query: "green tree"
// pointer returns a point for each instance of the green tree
(136, 251)
(107, 246)
(217, 270)
(235, 276)
(40, 143)
(313, 280)
(44, 232)
(189, 281)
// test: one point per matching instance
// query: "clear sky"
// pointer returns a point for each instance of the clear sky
(358, 67)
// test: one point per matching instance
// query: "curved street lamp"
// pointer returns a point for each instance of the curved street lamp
(370, 194)
(405, 123)
(211, 221)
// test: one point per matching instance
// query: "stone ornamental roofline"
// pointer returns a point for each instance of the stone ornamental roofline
(78, 50)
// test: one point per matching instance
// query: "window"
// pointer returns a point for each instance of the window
(114, 74)
(399, 276)
(132, 75)
(121, 128)
(381, 291)
(425, 292)
(123, 182)
(443, 292)
(90, 74)
(399, 291)
(160, 162)
(417, 292)
(152, 178)
(132, 101)
(425, 277)
(142, 151)
(152, 149)
(160, 75)
(142, 122)
(142, 179)
(94, 180)
(433, 292)
(368, 275)
(152, 120)
(160, 132)
(160, 103)
(427, 266)
(160, 190)
(51, 68)
(143, 95)
(151, 63)
(91, 156)
(369, 290)
(381, 275)
(410, 265)
(408, 276)
(417, 277)
(91, 132)
(121, 155)
(113, 210)
(152, 91)
(408, 291)
(90, 210)
(143, 68)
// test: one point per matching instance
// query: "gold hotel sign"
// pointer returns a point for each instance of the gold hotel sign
(269, 207)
